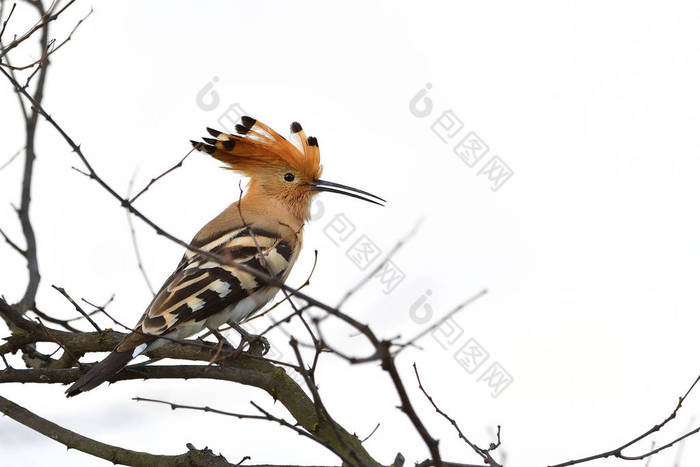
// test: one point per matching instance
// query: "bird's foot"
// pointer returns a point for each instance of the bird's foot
(255, 341)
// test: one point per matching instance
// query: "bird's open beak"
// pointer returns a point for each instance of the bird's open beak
(322, 185)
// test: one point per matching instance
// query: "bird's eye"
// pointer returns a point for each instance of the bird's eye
(289, 177)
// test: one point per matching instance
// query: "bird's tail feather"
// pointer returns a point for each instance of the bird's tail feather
(101, 372)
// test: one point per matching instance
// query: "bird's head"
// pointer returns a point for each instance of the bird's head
(279, 169)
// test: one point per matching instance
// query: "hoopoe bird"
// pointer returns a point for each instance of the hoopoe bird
(262, 230)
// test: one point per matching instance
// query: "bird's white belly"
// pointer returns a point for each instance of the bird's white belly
(237, 312)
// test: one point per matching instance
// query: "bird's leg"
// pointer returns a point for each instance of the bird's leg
(251, 338)
(222, 342)
(220, 337)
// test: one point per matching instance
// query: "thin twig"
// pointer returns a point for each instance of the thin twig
(379, 267)
(4, 24)
(58, 341)
(14, 156)
(47, 53)
(77, 307)
(51, 319)
(285, 319)
(286, 298)
(617, 452)
(22, 107)
(135, 243)
(439, 322)
(7, 365)
(648, 463)
(95, 311)
(483, 453)
(14, 246)
(681, 445)
(154, 180)
(265, 416)
(174, 406)
(371, 433)
(285, 423)
(47, 17)
(321, 411)
(659, 449)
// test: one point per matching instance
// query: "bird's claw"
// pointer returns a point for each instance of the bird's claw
(253, 340)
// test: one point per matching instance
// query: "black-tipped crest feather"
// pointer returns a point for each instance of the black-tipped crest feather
(242, 130)
(247, 121)
(213, 132)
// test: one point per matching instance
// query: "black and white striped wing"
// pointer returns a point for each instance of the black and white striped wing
(200, 288)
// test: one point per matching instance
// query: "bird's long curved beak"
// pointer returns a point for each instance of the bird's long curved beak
(323, 185)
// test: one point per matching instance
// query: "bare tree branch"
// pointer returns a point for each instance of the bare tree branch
(114, 454)
(27, 300)
(379, 267)
(244, 369)
(285, 299)
(64, 323)
(31, 120)
(266, 416)
(12, 158)
(4, 24)
(485, 454)
(14, 246)
(154, 180)
(439, 322)
(617, 452)
(46, 53)
(371, 433)
(46, 18)
(77, 307)
(135, 242)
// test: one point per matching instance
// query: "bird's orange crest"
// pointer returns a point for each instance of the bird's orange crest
(257, 147)
(284, 170)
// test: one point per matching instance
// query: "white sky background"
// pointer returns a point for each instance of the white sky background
(589, 251)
